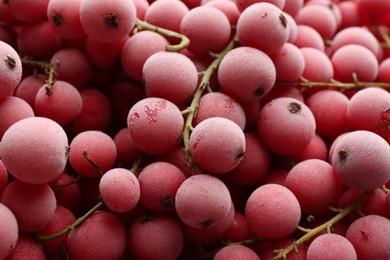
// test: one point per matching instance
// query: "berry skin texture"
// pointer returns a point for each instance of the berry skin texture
(13, 109)
(217, 104)
(329, 247)
(370, 237)
(329, 108)
(289, 63)
(354, 58)
(246, 74)
(10, 69)
(263, 26)
(155, 237)
(202, 201)
(34, 150)
(8, 231)
(207, 28)
(159, 182)
(62, 218)
(107, 21)
(119, 189)
(155, 124)
(217, 145)
(64, 16)
(63, 104)
(170, 75)
(286, 125)
(236, 252)
(361, 160)
(32, 204)
(137, 49)
(369, 109)
(72, 66)
(99, 147)
(102, 236)
(315, 185)
(27, 248)
(272, 211)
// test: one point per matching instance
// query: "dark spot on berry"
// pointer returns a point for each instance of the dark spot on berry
(10, 62)
(342, 155)
(364, 233)
(167, 202)
(283, 20)
(206, 223)
(6, 2)
(57, 19)
(112, 20)
(294, 107)
(260, 91)
(240, 153)
(146, 218)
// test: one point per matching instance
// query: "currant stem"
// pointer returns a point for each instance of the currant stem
(204, 84)
(383, 34)
(184, 41)
(59, 187)
(344, 86)
(75, 224)
(48, 69)
(93, 163)
(283, 253)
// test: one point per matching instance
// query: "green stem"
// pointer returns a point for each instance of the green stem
(59, 187)
(47, 67)
(344, 86)
(193, 109)
(184, 41)
(283, 252)
(75, 224)
(93, 163)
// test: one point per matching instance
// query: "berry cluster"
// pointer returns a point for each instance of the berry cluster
(194, 129)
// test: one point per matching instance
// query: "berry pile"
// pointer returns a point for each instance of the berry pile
(194, 129)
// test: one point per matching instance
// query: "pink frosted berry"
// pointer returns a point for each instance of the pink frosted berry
(35, 150)
(246, 74)
(329, 247)
(369, 236)
(32, 204)
(8, 231)
(120, 189)
(263, 26)
(286, 125)
(236, 252)
(264, 211)
(101, 236)
(95, 145)
(155, 124)
(217, 144)
(361, 160)
(10, 69)
(159, 182)
(202, 201)
(105, 21)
